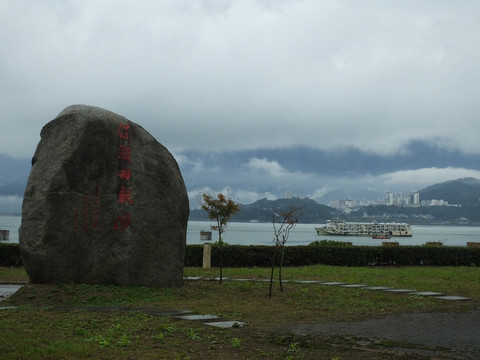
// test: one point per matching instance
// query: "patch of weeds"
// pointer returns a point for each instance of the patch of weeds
(85, 287)
(171, 329)
(293, 347)
(242, 286)
(303, 290)
(94, 324)
(237, 316)
(124, 340)
(180, 356)
(212, 341)
(235, 343)
(192, 334)
(81, 332)
(102, 340)
(265, 354)
(32, 295)
(284, 340)
(117, 326)
(160, 336)
(164, 330)
(234, 316)
(94, 300)
(114, 336)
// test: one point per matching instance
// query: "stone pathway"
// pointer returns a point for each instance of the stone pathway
(456, 335)
(217, 323)
(6, 290)
(437, 295)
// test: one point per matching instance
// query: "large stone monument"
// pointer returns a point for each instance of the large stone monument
(105, 203)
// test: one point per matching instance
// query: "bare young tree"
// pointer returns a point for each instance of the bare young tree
(281, 231)
(219, 209)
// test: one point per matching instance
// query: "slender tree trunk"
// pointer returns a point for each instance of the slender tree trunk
(273, 270)
(220, 249)
(280, 267)
(221, 264)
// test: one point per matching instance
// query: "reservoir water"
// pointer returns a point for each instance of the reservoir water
(302, 234)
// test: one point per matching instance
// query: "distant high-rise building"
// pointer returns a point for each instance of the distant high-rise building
(389, 198)
(198, 201)
(287, 194)
(416, 199)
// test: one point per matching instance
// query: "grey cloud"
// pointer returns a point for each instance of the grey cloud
(250, 76)
(247, 74)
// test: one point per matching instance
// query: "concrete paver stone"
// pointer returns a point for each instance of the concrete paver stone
(452, 298)
(401, 291)
(198, 317)
(332, 283)
(379, 288)
(226, 324)
(6, 290)
(429, 293)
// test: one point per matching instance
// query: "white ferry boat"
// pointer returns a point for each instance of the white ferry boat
(385, 230)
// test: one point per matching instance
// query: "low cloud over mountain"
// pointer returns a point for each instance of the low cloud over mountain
(321, 175)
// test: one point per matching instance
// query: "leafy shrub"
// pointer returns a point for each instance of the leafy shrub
(249, 256)
(261, 255)
(329, 243)
(10, 255)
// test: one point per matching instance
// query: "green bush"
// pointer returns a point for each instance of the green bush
(249, 256)
(10, 255)
(329, 243)
(261, 255)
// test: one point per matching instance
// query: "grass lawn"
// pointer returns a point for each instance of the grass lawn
(68, 321)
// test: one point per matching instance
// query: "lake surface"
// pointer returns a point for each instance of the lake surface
(302, 234)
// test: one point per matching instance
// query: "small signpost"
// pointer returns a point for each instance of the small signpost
(207, 255)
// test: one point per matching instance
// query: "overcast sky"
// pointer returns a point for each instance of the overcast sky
(218, 75)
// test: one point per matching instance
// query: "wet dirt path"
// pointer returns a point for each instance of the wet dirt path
(459, 332)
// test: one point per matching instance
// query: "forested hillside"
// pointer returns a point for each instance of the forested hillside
(309, 211)
(461, 191)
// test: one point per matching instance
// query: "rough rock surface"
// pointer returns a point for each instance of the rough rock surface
(105, 203)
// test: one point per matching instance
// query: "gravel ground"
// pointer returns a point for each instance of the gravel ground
(454, 334)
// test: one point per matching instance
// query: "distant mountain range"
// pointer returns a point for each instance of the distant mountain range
(461, 191)
(464, 192)
(14, 174)
(309, 211)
